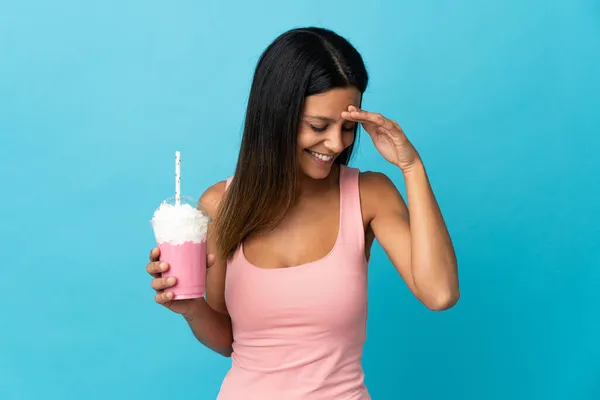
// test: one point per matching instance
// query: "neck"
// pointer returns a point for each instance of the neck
(308, 186)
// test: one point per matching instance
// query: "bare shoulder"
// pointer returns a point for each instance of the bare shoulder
(377, 191)
(211, 198)
(375, 186)
(215, 277)
(373, 182)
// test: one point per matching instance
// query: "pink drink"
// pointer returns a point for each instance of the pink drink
(187, 263)
(180, 231)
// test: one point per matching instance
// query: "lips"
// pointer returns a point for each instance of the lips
(325, 158)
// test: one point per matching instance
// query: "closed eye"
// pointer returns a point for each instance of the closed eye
(319, 128)
(324, 128)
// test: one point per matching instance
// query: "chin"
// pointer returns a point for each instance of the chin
(311, 173)
(314, 168)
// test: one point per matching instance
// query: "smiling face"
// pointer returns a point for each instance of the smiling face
(322, 133)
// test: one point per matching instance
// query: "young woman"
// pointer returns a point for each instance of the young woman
(286, 290)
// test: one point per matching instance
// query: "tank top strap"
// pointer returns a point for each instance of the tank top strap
(352, 228)
(228, 182)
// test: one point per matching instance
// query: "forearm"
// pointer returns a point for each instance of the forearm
(433, 260)
(211, 328)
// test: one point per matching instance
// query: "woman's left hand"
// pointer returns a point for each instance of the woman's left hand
(387, 135)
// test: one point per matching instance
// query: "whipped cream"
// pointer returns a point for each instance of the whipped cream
(177, 224)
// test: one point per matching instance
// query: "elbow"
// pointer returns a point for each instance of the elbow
(443, 300)
(227, 353)
(439, 292)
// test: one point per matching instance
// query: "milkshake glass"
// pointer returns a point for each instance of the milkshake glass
(180, 228)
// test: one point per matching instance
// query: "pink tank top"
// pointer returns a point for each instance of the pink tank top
(299, 332)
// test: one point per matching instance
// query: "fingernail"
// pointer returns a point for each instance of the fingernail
(163, 266)
(171, 280)
(169, 295)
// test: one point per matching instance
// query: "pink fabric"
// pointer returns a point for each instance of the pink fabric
(299, 332)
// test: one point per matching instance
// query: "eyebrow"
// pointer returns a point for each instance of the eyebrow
(321, 118)
(324, 119)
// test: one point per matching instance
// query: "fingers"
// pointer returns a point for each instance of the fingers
(154, 254)
(163, 297)
(159, 284)
(156, 268)
(358, 115)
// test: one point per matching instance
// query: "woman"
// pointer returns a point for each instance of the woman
(286, 291)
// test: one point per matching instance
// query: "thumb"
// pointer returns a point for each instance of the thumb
(210, 260)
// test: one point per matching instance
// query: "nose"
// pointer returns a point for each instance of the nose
(335, 142)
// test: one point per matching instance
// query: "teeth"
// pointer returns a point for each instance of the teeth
(321, 156)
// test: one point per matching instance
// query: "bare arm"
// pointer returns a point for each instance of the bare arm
(415, 238)
(211, 328)
(208, 319)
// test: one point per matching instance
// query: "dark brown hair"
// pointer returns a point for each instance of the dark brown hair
(299, 63)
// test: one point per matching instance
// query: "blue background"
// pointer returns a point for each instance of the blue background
(500, 97)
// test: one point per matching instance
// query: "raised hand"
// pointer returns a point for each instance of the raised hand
(388, 137)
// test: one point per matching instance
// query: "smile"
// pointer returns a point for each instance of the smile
(319, 156)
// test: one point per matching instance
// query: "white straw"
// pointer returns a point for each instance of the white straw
(177, 178)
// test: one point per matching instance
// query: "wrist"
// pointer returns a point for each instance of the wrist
(196, 310)
(415, 167)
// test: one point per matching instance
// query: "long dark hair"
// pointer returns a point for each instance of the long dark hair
(299, 63)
